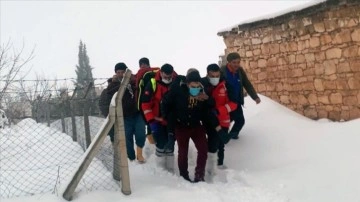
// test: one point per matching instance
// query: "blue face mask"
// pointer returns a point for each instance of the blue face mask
(194, 91)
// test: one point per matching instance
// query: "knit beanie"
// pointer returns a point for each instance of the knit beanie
(120, 66)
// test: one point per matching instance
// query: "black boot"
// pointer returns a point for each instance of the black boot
(187, 178)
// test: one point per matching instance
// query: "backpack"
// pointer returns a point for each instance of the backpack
(142, 79)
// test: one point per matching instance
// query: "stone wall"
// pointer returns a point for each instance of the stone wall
(307, 60)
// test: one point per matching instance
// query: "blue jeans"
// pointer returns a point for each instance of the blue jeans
(134, 125)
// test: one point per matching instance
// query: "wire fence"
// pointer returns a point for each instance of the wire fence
(43, 142)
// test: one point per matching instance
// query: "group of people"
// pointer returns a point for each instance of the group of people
(176, 108)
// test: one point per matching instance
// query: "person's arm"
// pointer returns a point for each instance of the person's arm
(248, 86)
(146, 105)
(167, 108)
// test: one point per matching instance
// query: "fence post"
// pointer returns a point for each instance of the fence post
(121, 169)
(62, 117)
(48, 110)
(86, 116)
(87, 124)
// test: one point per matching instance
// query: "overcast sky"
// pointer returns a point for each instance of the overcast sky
(181, 33)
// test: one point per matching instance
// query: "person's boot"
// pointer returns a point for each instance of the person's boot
(169, 162)
(139, 155)
(211, 163)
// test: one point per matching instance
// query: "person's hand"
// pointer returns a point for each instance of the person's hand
(169, 146)
(202, 97)
(159, 119)
(115, 78)
(257, 100)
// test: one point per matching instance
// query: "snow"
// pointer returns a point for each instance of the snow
(273, 15)
(280, 156)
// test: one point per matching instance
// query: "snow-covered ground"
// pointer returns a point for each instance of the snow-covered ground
(280, 156)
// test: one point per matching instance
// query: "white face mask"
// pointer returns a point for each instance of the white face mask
(214, 81)
(165, 81)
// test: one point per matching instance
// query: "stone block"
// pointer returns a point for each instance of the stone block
(271, 62)
(318, 83)
(320, 56)
(261, 63)
(342, 37)
(335, 116)
(284, 99)
(350, 101)
(313, 99)
(249, 53)
(319, 69)
(300, 58)
(325, 39)
(310, 57)
(255, 41)
(314, 42)
(354, 84)
(311, 113)
(342, 84)
(324, 99)
(354, 113)
(306, 21)
(262, 76)
(274, 48)
(291, 59)
(330, 67)
(355, 35)
(322, 114)
(330, 25)
(336, 98)
(319, 27)
(257, 51)
(261, 87)
(333, 53)
(343, 67)
(355, 65)
(293, 46)
(297, 72)
(329, 85)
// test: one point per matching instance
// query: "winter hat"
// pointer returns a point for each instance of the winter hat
(232, 56)
(144, 61)
(167, 69)
(193, 76)
(120, 66)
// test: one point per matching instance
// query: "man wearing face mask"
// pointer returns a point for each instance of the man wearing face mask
(216, 87)
(154, 92)
(189, 108)
(236, 77)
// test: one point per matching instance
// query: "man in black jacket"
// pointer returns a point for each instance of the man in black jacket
(235, 76)
(133, 121)
(189, 108)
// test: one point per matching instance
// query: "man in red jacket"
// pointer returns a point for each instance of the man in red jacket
(216, 87)
(154, 92)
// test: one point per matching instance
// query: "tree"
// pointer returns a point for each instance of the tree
(11, 64)
(83, 73)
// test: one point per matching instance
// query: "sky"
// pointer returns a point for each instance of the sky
(292, 159)
(181, 33)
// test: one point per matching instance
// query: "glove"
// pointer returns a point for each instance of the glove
(169, 146)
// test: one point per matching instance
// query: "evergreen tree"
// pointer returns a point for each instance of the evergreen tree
(84, 73)
(84, 78)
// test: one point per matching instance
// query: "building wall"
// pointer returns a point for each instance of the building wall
(308, 61)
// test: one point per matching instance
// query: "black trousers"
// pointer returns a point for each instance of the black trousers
(239, 120)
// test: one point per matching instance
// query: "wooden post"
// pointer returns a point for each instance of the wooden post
(87, 124)
(73, 122)
(48, 108)
(96, 144)
(62, 117)
(121, 169)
